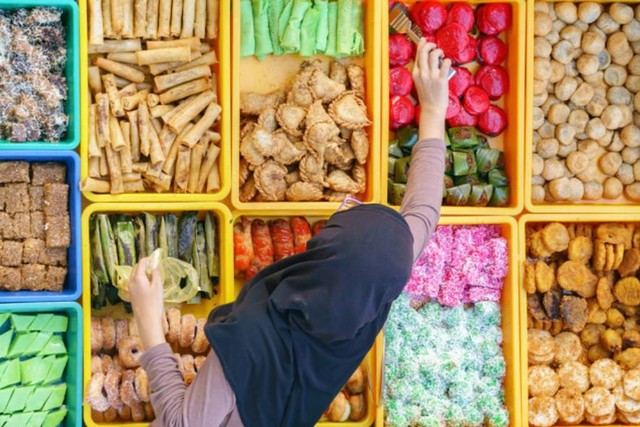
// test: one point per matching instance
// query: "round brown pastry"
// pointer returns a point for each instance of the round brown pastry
(122, 329)
(632, 31)
(174, 318)
(565, 88)
(621, 13)
(356, 383)
(612, 188)
(96, 395)
(631, 155)
(542, 68)
(141, 384)
(542, 411)
(547, 148)
(568, 347)
(632, 191)
(541, 48)
(565, 133)
(563, 52)
(553, 169)
(597, 106)
(630, 136)
(610, 163)
(542, 24)
(96, 335)
(582, 96)
(106, 362)
(96, 364)
(605, 373)
(129, 351)
(570, 406)
(340, 408)
(578, 119)
(631, 384)
(189, 368)
(187, 331)
(632, 83)
(588, 64)
(589, 12)
(607, 24)
(112, 387)
(625, 174)
(567, 12)
(358, 407)
(543, 381)
(619, 95)
(577, 162)
(200, 342)
(574, 375)
(596, 129)
(592, 43)
(599, 402)
(593, 190)
(108, 333)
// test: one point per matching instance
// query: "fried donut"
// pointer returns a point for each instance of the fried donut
(110, 415)
(187, 331)
(165, 324)
(605, 373)
(96, 335)
(575, 376)
(124, 413)
(355, 384)
(137, 411)
(96, 394)
(122, 329)
(149, 415)
(570, 406)
(106, 362)
(631, 383)
(142, 385)
(129, 351)
(543, 381)
(599, 402)
(189, 369)
(542, 411)
(173, 317)
(108, 333)
(200, 342)
(112, 387)
(127, 388)
(199, 362)
(180, 363)
(96, 364)
(133, 330)
(97, 416)
(116, 361)
(358, 407)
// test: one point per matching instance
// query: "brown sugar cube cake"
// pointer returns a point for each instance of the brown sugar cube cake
(22, 225)
(1, 199)
(37, 225)
(16, 198)
(33, 277)
(53, 256)
(43, 173)
(36, 198)
(6, 225)
(31, 250)
(57, 232)
(11, 254)
(12, 172)
(10, 278)
(56, 199)
(55, 278)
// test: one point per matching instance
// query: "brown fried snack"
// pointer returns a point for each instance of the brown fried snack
(610, 257)
(574, 375)
(599, 402)
(599, 255)
(628, 359)
(537, 247)
(596, 313)
(612, 233)
(570, 406)
(627, 291)
(529, 277)
(597, 352)
(605, 373)
(631, 323)
(544, 275)
(615, 319)
(585, 230)
(574, 312)
(555, 237)
(630, 339)
(611, 341)
(551, 303)
(580, 249)
(630, 263)
(576, 277)
(636, 238)
(603, 293)
(543, 381)
(619, 256)
(590, 335)
(542, 411)
(535, 309)
(568, 347)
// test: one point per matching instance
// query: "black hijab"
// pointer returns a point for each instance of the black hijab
(301, 327)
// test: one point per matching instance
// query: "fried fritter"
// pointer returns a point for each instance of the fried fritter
(619, 256)
(570, 406)
(545, 276)
(255, 103)
(627, 291)
(597, 352)
(580, 249)
(349, 111)
(529, 277)
(556, 237)
(585, 230)
(615, 319)
(630, 263)
(291, 117)
(324, 88)
(603, 293)
(543, 381)
(537, 247)
(612, 233)
(576, 277)
(628, 359)
(599, 255)
(269, 180)
(595, 313)
(610, 258)
(631, 339)
(304, 191)
(574, 312)
(611, 341)
(590, 335)
(551, 303)
(535, 309)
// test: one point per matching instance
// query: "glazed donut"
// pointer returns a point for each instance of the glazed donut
(127, 389)
(108, 333)
(129, 352)
(188, 330)
(110, 415)
(96, 335)
(116, 361)
(122, 329)
(137, 411)
(133, 332)
(180, 364)
(112, 387)
(142, 385)
(149, 415)
(173, 317)
(355, 384)
(200, 343)
(96, 396)
(189, 369)
(199, 361)
(124, 413)
(165, 324)
(105, 362)
(97, 416)
(96, 364)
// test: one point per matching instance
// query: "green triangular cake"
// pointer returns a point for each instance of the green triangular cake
(41, 321)
(55, 418)
(56, 370)
(54, 346)
(56, 399)
(58, 323)
(5, 397)
(18, 399)
(5, 343)
(21, 322)
(38, 398)
(20, 344)
(11, 373)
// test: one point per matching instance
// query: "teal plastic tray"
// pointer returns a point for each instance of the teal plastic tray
(73, 341)
(72, 72)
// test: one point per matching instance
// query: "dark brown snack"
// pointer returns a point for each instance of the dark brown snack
(48, 173)
(11, 254)
(16, 198)
(535, 308)
(37, 225)
(630, 339)
(33, 276)
(32, 250)
(551, 303)
(628, 359)
(576, 277)
(36, 198)
(56, 199)
(22, 225)
(10, 278)
(630, 263)
(55, 278)
(57, 231)
(53, 256)
(574, 312)
(13, 172)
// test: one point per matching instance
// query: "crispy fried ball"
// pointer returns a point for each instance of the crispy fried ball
(597, 352)
(596, 128)
(588, 64)
(632, 83)
(577, 162)
(567, 12)
(615, 75)
(619, 95)
(632, 30)
(615, 319)
(633, 191)
(589, 12)
(610, 163)
(630, 136)
(542, 24)
(578, 119)
(565, 133)
(625, 174)
(611, 341)
(537, 194)
(559, 113)
(612, 188)
(593, 190)
(537, 164)
(607, 24)
(553, 169)
(542, 48)
(590, 335)
(547, 131)
(621, 13)
(597, 105)
(628, 359)
(566, 149)
(592, 43)
(547, 148)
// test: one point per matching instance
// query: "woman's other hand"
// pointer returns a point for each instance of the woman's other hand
(148, 303)
(430, 75)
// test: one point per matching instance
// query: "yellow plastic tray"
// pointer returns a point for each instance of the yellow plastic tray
(510, 318)
(370, 364)
(511, 141)
(621, 205)
(524, 221)
(222, 46)
(199, 310)
(249, 74)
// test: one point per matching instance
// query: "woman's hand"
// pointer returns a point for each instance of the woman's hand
(148, 303)
(432, 86)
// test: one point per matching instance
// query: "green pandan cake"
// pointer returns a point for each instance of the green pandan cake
(19, 419)
(55, 346)
(41, 321)
(20, 344)
(55, 418)
(56, 399)
(59, 324)
(37, 418)
(11, 374)
(21, 322)
(56, 370)
(18, 399)
(5, 343)
(38, 398)
(5, 397)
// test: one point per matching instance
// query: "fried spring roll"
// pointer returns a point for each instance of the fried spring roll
(113, 46)
(193, 43)
(134, 186)
(169, 163)
(194, 168)
(131, 102)
(181, 178)
(93, 185)
(213, 136)
(188, 18)
(94, 167)
(208, 58)
(195, 106)
(115, 171)
(156, 155)
(120, 70)
(160, 110)
(213, 10)
(126, 159)
(124, 57)
(117, 16)
(115, 105)
(135, 136)
(153, 100)
(152, 18)
(157, 125)
(120, 82)
(176, 18)
(168, 81)
(144, 124)
(185, 90)
(95, 82)
(205, 122)
(127, 28)
(201, 18)
(168, 115)
(144, 85)
(117, 139)
(104, 167)
(131, 176)
(205, 170)
(140, 167)
(164, 18)
(102, 127)
(154, 170)
(213, 181)
(94, 148)
(96, 30)
(156, 69)
(214, 87)
(106, 20)
(167, 138)
(140, 18)
(129, 90)
(163, 182)
(204, 48)
(159, 56)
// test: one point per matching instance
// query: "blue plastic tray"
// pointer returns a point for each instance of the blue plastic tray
(73, 286)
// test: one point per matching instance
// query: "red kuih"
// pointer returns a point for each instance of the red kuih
(476, 100)
(400, 50)
(400, 81)
(460, 81)
(452, 39)
(462, 119)
(462, 13)
(494, 79)
(491, 50)
(493, 18)
(418, 110)
(454, 106)
(401, 111)
(429, 16)
(467, 55)
(430, 38)
(493, 121)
